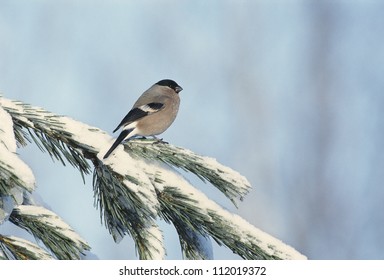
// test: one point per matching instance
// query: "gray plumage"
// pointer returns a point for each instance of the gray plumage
(152, 113)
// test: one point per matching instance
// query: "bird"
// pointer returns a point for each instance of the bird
(152, 113)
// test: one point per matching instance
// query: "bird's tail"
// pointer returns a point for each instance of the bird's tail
(119, 139)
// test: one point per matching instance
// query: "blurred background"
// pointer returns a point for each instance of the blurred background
(288, 93)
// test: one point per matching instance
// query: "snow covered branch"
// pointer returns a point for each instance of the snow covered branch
(228, 181)
(139, 184)
(187, 208)
(51, 230)
(15, 176)
(20, 249)
(16, 182)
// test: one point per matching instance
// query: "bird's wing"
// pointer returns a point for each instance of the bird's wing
(139, 112)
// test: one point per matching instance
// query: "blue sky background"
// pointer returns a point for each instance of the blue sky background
(288, 93)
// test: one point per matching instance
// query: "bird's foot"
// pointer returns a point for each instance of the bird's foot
(159, 141)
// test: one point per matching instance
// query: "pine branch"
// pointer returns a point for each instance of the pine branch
(48, 132)
(16, 179)
(51, 230)
(14, 173)
(118, 203)
(182, 202)
(14, 248)
(228, 181)
(135, 185)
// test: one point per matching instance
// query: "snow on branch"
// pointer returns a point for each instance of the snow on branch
(46, 226)
(228, 181)
(128, 204)
(16, 248)
(48, 132)
(139, 183)
(13, 171)
(15, 176)
(187, 208)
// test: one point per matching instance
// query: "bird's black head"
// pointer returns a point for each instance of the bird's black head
(171, 84)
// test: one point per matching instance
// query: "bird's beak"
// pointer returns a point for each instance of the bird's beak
(178, 89)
